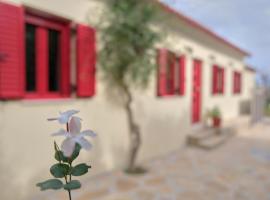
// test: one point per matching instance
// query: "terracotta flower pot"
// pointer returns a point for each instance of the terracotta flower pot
(216, 122)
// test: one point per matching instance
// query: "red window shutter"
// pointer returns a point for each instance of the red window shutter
(11, 51)
(239, 82)
(171, 75)
(162, 55)
(215, 80)
(65, 74)
(86, 61)
(234, 82)
(182, 75)
(222, 80)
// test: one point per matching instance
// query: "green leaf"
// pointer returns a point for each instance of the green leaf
(53, 184)
(72, 185)
(76, 152)
(59, 170)
(80, 169)
(59, 156)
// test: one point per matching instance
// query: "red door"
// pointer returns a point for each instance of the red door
(196, 91)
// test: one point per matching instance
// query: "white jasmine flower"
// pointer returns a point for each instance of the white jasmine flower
(64, 117)
(73, 136)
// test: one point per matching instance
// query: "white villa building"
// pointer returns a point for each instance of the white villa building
(48, 51)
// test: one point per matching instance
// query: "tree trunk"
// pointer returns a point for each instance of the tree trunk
(135, 135)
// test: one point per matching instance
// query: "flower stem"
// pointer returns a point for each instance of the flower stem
(66, 179)
(67, 128)
(69, 192)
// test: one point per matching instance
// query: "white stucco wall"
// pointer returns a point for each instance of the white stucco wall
(25, 142)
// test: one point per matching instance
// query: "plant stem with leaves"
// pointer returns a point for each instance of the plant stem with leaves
(64, 168)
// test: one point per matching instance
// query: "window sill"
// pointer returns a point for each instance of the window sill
(170, 95)
(218, 94)
(47, 100)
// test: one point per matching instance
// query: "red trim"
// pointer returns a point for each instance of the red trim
(38, 21)
(240, 83)
(218, 80)
(65, 60)
(215, 80)
(42, 57)
(11, 51)
(162, 55)
(222, 80)
(170, 89)
(42, 61)
(202, 28)
(237, 82)
(182, 75)
(86, 61)
(196, 91)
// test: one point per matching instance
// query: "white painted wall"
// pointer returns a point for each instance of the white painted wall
(26, 147)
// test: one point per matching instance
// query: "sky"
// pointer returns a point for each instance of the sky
(245, 23)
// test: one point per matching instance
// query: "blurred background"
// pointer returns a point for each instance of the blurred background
(177, 91)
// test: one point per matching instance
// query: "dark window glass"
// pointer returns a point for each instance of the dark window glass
(54, 60)
(30, 58)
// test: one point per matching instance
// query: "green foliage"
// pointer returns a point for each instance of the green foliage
(53, 184)
(64, 169)
(72, 185)
(75, 153)
(80, 169)
(128, 43)
(216, 113)
(59, 170)
(59, 155)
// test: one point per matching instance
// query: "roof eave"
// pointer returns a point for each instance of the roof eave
(202, 28)
(252, 69)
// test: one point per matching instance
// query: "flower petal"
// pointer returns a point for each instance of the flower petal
(84, 143)
(70, 112)
(63, 119)
(75, 126)
(61, 132)
(68, 146)
(64, 116)
(88, 133)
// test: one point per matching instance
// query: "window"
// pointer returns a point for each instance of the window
(35, 55)
(45, 57)
(171, 73)
(30, 48)
(218, 80)
(54, 61)
(237, 82)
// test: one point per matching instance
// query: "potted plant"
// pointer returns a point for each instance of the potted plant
(216, 117)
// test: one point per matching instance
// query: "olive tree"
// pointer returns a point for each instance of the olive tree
(126, 56)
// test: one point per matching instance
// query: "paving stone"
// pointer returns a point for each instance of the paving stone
(94, 194)
(124, 185)
(190, 195)
(155, 181)
(144, 194)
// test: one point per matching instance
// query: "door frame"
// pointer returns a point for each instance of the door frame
(196, 119)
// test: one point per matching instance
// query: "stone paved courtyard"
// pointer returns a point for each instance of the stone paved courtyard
(240, 169)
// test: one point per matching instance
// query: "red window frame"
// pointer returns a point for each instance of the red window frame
(171, 73)
(237, 82)
(218, 81)
(43, 24)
